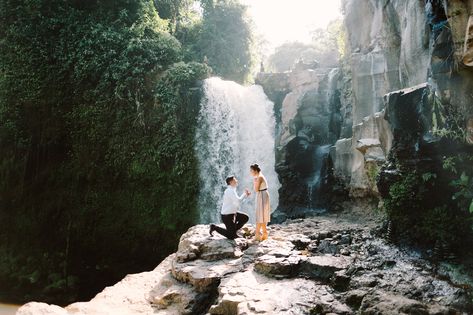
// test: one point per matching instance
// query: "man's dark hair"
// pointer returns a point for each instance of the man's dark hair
(229, 179)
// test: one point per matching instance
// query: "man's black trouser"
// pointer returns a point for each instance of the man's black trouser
(233, 222)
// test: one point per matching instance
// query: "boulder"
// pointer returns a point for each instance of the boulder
(278, 266)
(328, 246)
(354, 297)
(274, 246)
(197, 243)
(203, 275)
(171, 295)
(253, 293)
(273, 277)
(300, 241)
(383, 303)
(340, 280)
(35, 308)
(324, 267)
(217, 249)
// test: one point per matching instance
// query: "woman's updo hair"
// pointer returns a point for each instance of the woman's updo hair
(255, 167)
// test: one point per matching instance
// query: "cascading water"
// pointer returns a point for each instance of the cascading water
(235, 129)
(313, 182)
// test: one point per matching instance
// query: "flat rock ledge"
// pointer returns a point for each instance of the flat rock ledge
(322, 265)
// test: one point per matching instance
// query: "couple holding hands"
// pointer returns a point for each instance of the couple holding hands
(232, 218)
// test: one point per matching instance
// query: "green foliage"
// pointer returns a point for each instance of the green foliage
(337, 31)
(405, 195)
(446, 120)
(179, 13)
(327, 48)
(225, 39)
(443, 203)
(462, 183)
(330, 42)
(439, 223)
(220, 34)
(422, 208)
(97, 171)
(426, 177)
(372, 171)
(405, 204)
(286, 56)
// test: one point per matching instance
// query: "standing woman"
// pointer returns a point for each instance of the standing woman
(263, 208)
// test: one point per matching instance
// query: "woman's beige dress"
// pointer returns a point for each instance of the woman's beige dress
(263, 207)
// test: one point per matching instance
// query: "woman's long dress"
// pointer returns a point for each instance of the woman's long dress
(263, 207)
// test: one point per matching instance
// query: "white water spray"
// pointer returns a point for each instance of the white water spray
(235, 129)
(313, 182)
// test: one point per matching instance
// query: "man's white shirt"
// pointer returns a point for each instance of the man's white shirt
(231, 200)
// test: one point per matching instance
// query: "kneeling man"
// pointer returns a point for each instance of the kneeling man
(232, 219)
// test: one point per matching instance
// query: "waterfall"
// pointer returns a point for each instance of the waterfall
(235, 129)
(313, 182)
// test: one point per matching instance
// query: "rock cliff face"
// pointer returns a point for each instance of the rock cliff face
(326, 265)
(308, 111)
(391, 46)
(421, 46)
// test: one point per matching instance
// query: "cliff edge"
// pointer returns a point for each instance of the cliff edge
(321, 265)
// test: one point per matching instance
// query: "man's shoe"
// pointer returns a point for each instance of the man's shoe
(212, 229)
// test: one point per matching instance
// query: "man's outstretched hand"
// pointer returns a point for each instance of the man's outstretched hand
(247, 192)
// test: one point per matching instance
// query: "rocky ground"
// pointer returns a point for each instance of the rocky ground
(320, 265)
